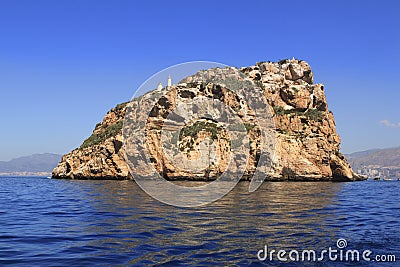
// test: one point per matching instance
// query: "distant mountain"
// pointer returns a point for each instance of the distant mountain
(28, 165)
(389, 157)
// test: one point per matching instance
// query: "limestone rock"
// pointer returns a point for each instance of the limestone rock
(307, 144)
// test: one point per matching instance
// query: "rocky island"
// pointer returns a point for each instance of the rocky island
(307, 146)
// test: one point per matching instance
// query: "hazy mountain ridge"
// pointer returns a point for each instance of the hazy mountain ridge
(377, 163)
(388, 157)
(29, 165)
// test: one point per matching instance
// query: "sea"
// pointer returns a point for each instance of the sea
(47, 222)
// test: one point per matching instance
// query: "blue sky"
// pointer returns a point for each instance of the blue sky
(64, 64)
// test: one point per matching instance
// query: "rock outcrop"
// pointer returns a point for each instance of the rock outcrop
(306, 142)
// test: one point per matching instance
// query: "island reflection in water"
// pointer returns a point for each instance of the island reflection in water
(233, 229)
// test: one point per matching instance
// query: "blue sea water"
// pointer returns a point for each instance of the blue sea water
(46, 222)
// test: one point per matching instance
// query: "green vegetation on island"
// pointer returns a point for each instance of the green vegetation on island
(97, 138)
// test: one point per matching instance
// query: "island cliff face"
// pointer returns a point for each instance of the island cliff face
(306, 142)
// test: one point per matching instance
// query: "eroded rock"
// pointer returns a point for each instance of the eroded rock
(307, 144)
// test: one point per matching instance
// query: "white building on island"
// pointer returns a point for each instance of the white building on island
(169, 83)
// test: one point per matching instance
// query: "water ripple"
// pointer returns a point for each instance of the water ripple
(60, 223)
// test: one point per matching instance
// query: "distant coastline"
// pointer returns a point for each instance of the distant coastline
(377, 163)
(33, 165)
(25, 174)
